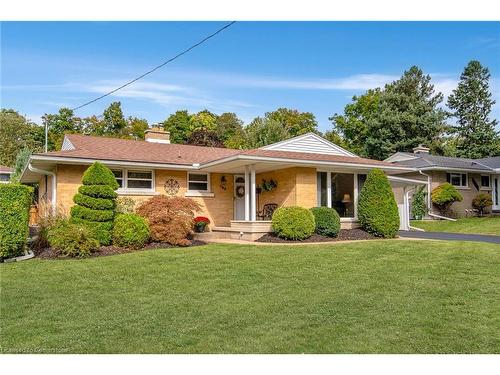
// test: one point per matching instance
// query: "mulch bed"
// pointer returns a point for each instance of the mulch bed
(344, 235)
(49, 253)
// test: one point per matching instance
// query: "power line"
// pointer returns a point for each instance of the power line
(157, 67)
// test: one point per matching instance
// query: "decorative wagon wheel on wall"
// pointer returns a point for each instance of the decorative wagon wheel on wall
(171, 186)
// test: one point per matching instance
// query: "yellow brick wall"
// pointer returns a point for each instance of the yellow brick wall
(219, 209)
(296, 187)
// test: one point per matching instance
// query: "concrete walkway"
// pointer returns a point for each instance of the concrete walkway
(450, 236)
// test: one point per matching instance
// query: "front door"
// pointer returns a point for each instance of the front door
(239, 197)
(496, 193)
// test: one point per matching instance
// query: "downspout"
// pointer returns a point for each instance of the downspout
(54, 183)
(429, 204)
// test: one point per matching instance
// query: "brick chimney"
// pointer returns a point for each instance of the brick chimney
(421, 149)
(157, 135)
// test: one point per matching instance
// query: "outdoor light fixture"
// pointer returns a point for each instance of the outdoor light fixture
(223, 183)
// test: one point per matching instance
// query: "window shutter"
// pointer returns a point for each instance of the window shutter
(464, 179)
(448, 178)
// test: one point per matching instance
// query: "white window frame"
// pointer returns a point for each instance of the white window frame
(481, 187)
(197, 192)
(466, 186)
(126, 190)
(329, 193)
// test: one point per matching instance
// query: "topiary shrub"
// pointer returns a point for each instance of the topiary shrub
(170, 218)
(15, 201)
(377, 209)
(418, 205)
(293, 223)
(481, 201)
(73, 239)
(327, 221)
(130, 230)
(95, 201)
(444, 196)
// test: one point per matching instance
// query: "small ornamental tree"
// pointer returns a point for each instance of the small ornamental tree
(444, 196)
(95, 201)
(418, 205)
(481, 201)
(377, 209)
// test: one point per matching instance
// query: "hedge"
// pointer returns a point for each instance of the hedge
(95, 201)
(293, 223)
(377, 209)
(130, 230)
(15, 201)
(327, 221)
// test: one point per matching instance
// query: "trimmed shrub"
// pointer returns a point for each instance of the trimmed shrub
(481, 201)
(15, 201)
(418, 204)
(327, 221)
(125, 205)
(73, 239)
(170, 218)
(130, 230)
(444, 196)
(95, 201)
(377, 209)
(293, 223)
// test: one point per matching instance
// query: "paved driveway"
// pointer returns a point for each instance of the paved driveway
(450, 236)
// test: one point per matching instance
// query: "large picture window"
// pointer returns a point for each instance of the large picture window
(136, 180)
(198, 182)
(341, 190)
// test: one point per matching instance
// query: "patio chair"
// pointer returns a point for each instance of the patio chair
(267, 211)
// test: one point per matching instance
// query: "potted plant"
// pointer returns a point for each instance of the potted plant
(200, 222)
(267, 185)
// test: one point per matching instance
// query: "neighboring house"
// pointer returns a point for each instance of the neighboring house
(5, 173)
(309, 171)
(469, 176)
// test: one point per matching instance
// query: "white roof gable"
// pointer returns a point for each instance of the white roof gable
(310, 143)
(401, 156)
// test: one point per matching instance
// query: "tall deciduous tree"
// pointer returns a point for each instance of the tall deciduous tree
(295, 122)
(178, 126)
(63, 122)
(228, 125)
(114, 121)
(264, 131)
(471, 104)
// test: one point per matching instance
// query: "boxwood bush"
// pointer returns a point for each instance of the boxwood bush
(377, 209)
(73, 239)
(130, 230)
(293, 223)
(95, 201)
(327, 221)
(15, 201)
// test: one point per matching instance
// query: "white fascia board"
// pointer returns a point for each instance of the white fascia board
(455, 170)
(305, 162)
(114, 163)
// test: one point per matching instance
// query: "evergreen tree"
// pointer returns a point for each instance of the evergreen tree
(95, 201)
(471, 105)
(407, 115)
(114, 121)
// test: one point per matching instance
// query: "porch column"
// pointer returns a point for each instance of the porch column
(247, 194)
(329, 189)
(253, 199)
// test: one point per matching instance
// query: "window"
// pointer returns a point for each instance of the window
(4, 177)
(457, 179)
(198, 182)
(341, 190)
(119, 177)
(134, 179)
(485, 181)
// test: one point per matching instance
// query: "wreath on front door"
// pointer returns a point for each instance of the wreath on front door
(240, 191)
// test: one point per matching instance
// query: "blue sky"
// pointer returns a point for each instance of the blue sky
(249, 69)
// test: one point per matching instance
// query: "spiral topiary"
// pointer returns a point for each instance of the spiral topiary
(95, 201)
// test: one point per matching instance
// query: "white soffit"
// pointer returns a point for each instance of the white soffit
(309, 143)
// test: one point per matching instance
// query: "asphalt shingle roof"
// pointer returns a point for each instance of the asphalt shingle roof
(427, 161)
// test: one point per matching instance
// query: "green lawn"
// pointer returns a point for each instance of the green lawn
(477, 225)
(371, 297)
